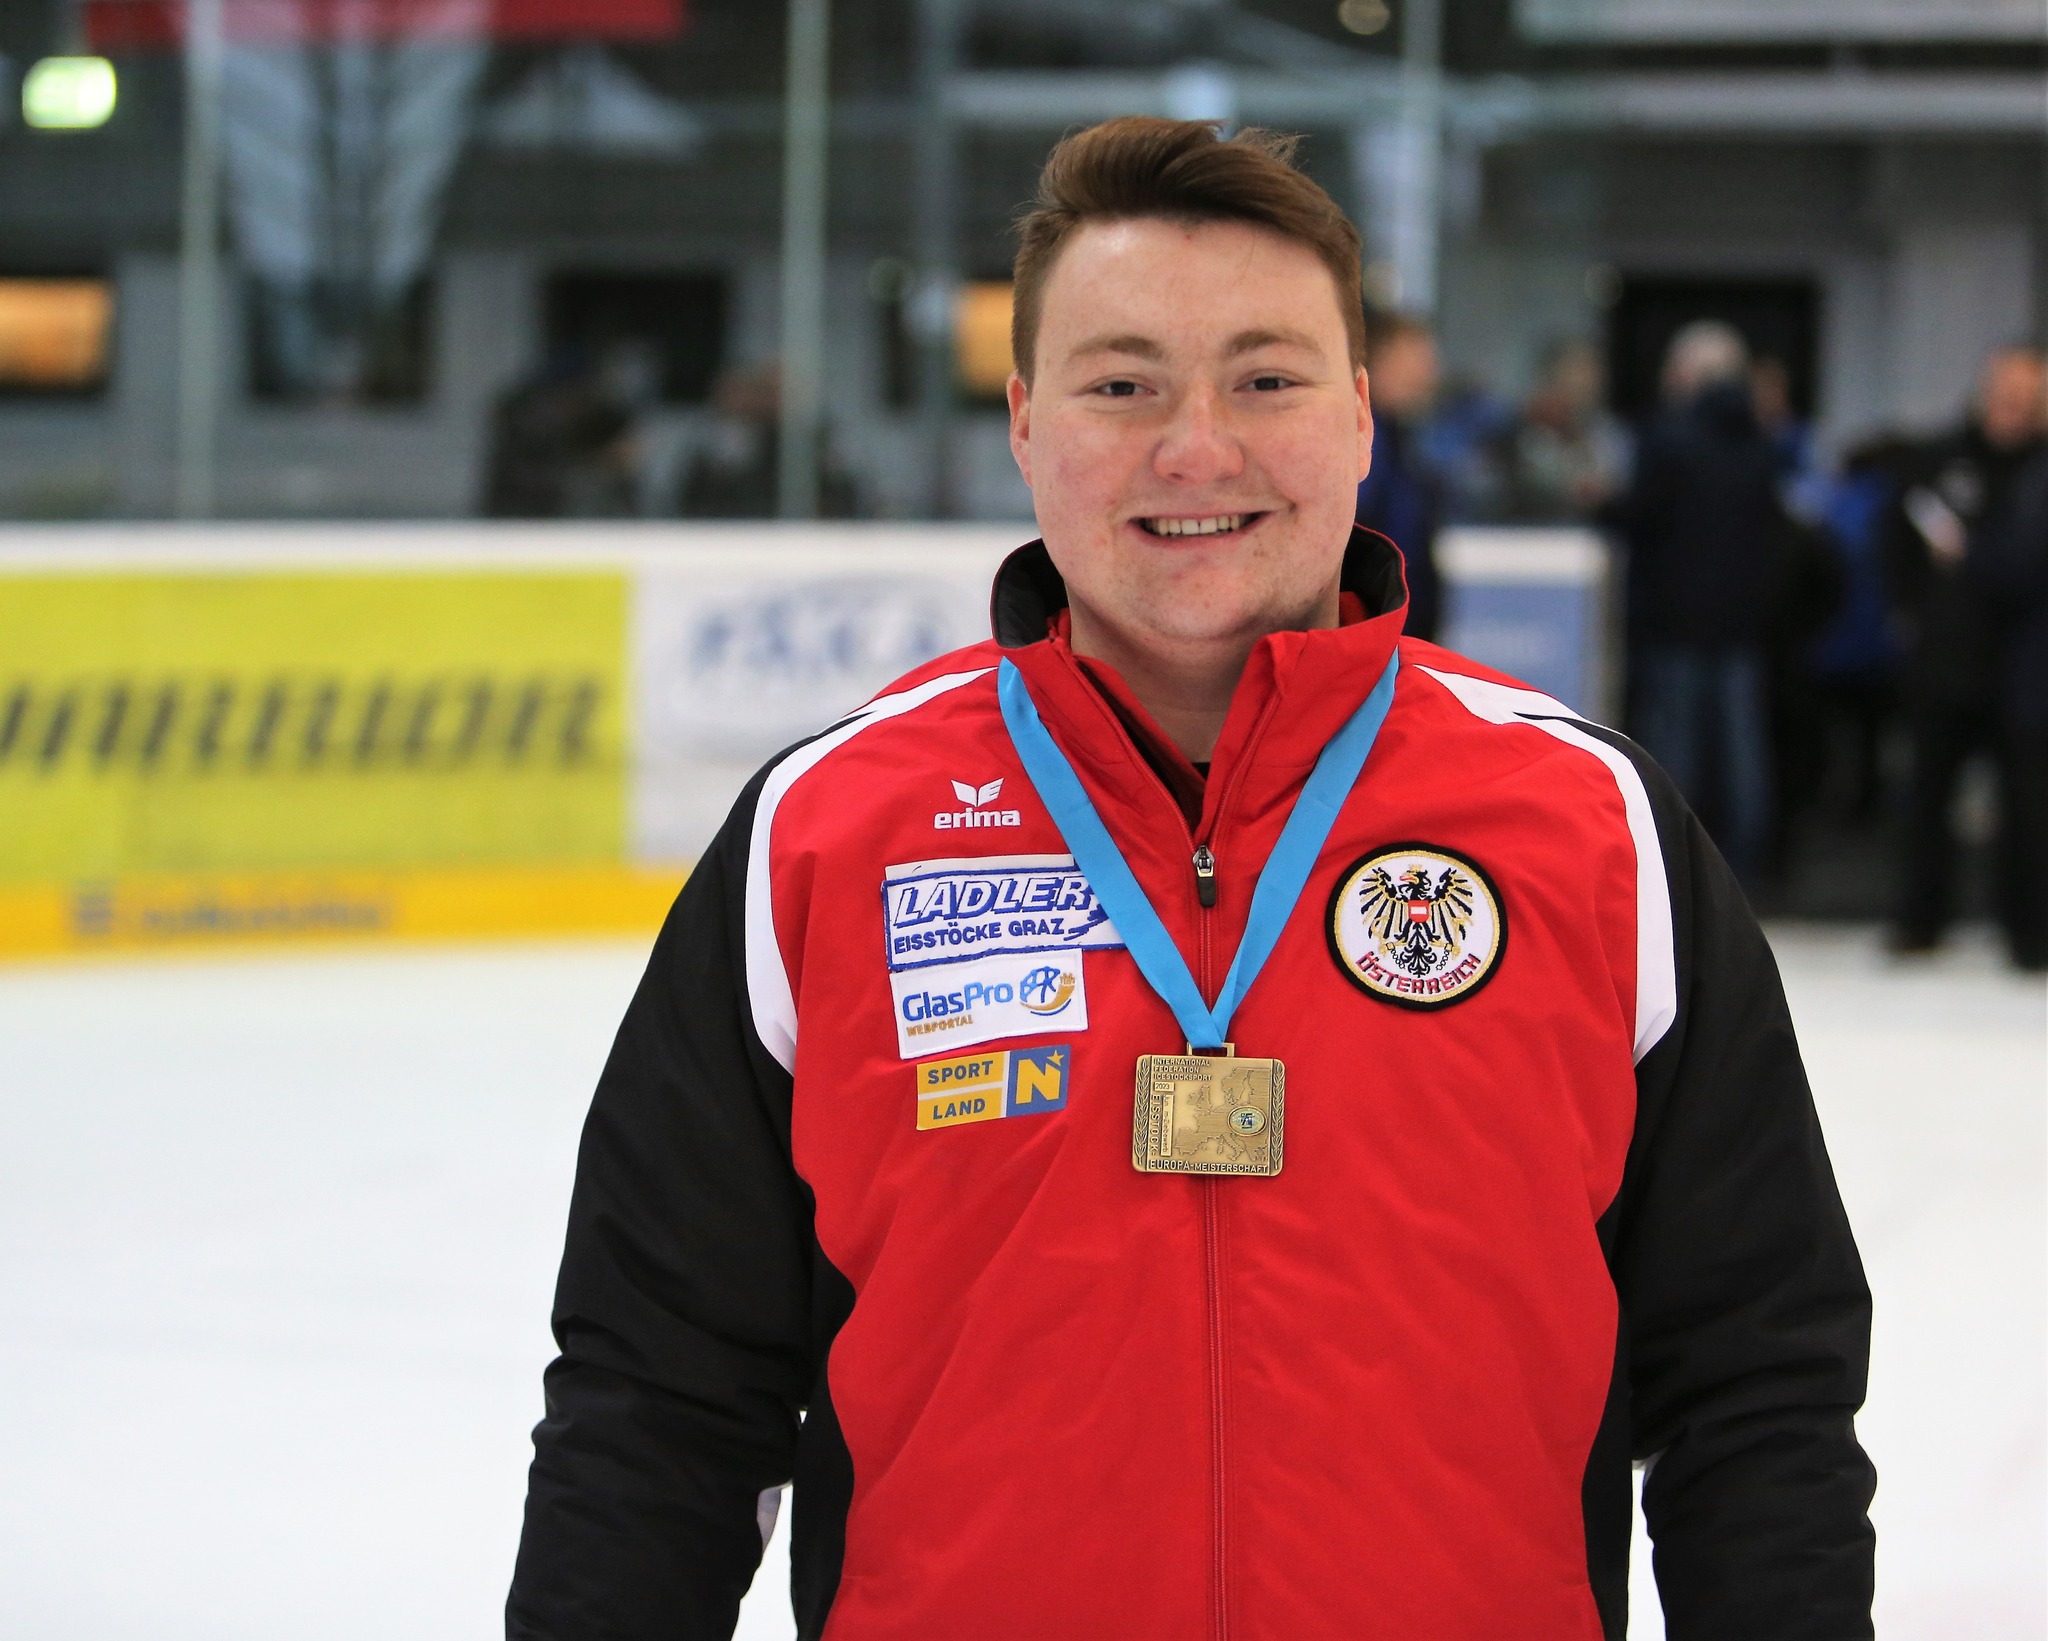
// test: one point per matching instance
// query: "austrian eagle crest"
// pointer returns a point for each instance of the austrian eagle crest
(1417, 925)
(1420, 921)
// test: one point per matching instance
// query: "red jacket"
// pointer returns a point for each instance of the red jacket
(1553, 1195)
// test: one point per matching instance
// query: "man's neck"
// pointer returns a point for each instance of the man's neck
(1186, 685)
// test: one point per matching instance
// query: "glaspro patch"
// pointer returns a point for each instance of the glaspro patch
(974, 1088)
(954, 1004)
(951, 911)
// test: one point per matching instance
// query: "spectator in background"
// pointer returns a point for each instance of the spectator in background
(1569, 455)
(2008, 561)
(1400, 497)
(1955, 501)
(1705, 531)
(1809, 588)
(562, 445)
(1803, 480)
(1856, 657)
(734, 474)
(1466, 447)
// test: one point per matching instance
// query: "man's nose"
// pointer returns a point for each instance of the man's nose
(1198, 445)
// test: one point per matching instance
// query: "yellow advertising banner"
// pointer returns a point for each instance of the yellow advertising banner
(166, 911)
(219, 754)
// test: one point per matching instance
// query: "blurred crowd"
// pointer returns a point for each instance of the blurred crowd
(1822, 655)
(566, 443)
(1827, 657)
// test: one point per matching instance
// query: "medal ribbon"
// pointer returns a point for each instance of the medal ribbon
(1130, 909)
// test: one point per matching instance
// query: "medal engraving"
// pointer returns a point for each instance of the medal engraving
(1207, 1114)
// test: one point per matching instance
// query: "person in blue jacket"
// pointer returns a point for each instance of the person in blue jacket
(1400, 497)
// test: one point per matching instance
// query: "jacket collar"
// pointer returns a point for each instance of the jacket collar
(1029, 593)
(1297, 690)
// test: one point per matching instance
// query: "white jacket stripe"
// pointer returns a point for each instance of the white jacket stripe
(768, 989)
(1656, 954)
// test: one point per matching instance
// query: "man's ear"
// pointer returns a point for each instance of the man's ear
(1019, 395)
(1364, 391)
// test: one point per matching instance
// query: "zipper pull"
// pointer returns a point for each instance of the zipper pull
(1205, 875)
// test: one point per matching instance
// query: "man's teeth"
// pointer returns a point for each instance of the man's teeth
(1196, 527)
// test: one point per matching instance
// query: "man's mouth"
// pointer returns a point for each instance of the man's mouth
(1215, 524)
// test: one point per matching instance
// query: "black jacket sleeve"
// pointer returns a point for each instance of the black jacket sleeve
(1745, 1317)
(684, 1308)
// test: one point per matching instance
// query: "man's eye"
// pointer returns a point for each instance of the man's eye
(1269, 384)
(1118, 390)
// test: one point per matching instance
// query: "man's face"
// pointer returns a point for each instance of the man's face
(1195, 432)
(2009, 397)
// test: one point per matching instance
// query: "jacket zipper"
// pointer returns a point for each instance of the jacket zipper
(1204, 861)
(1212, 1290)
(1203, 858)
(1212, 1270)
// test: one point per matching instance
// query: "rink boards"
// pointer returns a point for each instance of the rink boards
(330, 733)
(321, 733)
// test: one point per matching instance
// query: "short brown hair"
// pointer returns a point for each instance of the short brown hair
(1182, 171)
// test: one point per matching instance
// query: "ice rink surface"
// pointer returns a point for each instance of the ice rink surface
(278, 1232)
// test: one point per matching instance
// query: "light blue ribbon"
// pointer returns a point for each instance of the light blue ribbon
(1109, 874)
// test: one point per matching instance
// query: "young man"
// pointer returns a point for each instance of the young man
(937, 1167)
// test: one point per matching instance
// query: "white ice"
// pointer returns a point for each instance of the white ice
(277, 1236)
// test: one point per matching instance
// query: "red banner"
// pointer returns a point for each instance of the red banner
(158, 25)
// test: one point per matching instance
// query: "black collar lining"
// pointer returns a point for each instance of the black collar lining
(1029, 593)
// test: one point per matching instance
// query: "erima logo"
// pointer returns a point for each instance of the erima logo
(977, 812)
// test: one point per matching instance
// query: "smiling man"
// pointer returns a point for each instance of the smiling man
(1269, 1179)
(1192, 423)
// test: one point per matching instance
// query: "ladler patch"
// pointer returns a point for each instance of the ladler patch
(947, 911)
(1417, 925)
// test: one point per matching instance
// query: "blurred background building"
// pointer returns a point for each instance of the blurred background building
(453, 225)
(416, 260)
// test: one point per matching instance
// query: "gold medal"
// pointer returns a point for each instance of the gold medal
(1207, 1113)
